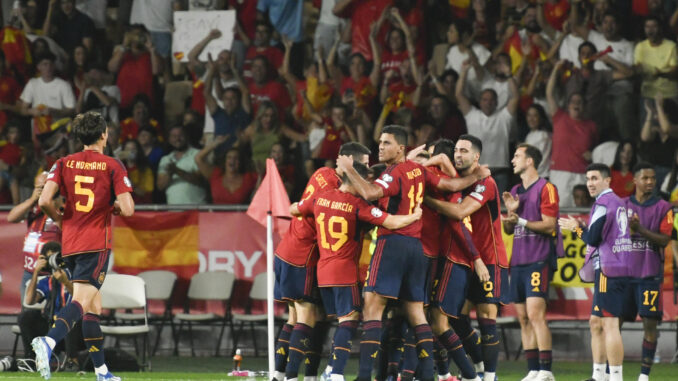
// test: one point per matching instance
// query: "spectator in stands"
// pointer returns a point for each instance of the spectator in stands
(540, 136)
(328, 28)
(225, 75)
(399, 44)
(46, 98)
(286, 170)
(138, 171)
(99, 93)
(76, 68)
(141, 117)
(669, 187)
(229, 183)
(156, 16)
(9, 93)
(493, 126)
(573, 139)
(68, 26)
(136, 63)
(56, 290)
(446, 84)
(152, 152)
(660, 134)
(464, 47)
(622, 169)
(178, 174)
(10, 157)
(581, 196)
(443, 120)
(261, 46)
(656, 61)
(337, 132)
(496, 77)
(286, 18)
(263, 88)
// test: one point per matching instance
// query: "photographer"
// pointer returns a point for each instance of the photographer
(56, 289)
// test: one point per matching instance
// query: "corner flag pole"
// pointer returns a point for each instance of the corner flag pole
(269, 294)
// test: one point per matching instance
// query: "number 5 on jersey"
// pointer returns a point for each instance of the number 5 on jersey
(79, 190)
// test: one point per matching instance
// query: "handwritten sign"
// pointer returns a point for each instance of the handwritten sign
(192, 26)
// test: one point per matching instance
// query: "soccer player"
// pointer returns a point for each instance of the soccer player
(398, 267)
(339, 214)
(295, 265)
(532, 219)
(607, 262)
(95, 186)
(651, 221)
(479, 211)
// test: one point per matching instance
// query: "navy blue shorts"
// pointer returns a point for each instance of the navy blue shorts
(398, 269)
(494, 291)
(529, 281)
(450, 287)
(294, 283)
(89, 267)
(611, 296)
(340, 301)
(646, 299)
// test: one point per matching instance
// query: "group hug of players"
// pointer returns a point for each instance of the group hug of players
(438, 252)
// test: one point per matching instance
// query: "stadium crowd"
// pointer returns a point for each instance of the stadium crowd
(581, 80)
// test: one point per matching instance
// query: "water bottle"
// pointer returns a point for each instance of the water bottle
(237, 360)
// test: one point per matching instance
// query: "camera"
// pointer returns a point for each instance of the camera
(54, 261)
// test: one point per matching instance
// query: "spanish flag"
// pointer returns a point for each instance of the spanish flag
(157, 241)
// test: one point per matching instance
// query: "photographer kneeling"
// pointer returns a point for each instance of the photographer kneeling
(56, 290)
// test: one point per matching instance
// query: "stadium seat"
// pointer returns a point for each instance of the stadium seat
(127, 292)
(159, 287)
(257, 293)
(16, 330)
(207, 286)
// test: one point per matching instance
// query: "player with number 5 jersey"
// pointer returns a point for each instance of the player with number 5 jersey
(95, 186)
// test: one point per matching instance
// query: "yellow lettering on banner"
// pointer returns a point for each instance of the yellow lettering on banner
(568, 266)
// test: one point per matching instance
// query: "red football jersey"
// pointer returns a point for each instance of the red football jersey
(404, 185)
(432, 221)
(339, 233)
(485, 223)
(296, 247)
(457, 243)
(89, 181)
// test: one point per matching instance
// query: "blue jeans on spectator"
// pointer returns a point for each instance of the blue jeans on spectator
(162, 42)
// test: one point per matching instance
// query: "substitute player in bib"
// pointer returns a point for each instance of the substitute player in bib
(341, 217)
(95, 186)
(295, 265)
(479, 211)
(650, 221)
(608, 262)
(533, 220)
(398, 267)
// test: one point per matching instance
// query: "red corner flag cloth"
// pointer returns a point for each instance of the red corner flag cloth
(271, 195)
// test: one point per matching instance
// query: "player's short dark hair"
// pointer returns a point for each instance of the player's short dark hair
(532, 152)
(377, 169)
(445, 146)
(52, 246)
(600, 167)
(424, 154)
(399, 133)
(88, 127)
(642, 165)
(360, 168)
(353, 149)
(476, 143)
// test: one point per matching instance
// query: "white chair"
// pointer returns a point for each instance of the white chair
(206, 286)
(159, 286)
(121, 291)
(16, 330)
(257, 293)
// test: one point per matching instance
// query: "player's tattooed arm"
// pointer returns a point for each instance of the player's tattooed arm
(460, 183)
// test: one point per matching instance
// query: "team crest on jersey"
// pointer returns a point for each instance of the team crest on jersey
(376, 212)
(622, 220)
(102, 276)
(480, 188)
(386, 177)
(127, 182)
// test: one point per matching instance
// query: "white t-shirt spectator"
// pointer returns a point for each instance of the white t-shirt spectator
(455, 58)
(110, 112)
(181, 191)
(501, 88)
(56, 93)
(543, 141)
(569, 49)
(94, 9)
(155, 15)
(622, 50)
(604, 153)
(494, 132)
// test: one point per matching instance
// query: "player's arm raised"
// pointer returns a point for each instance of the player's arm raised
(45, 201)
(460, 183)
(368, 191)
(395, 222)
(456, 211)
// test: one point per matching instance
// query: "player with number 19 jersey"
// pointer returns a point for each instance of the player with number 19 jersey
(90, 182)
